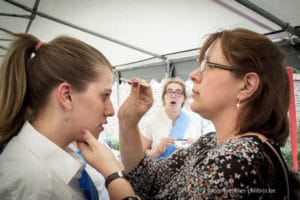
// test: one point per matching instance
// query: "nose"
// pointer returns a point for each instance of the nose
(173, 94)
(196, 76)
(109, 109)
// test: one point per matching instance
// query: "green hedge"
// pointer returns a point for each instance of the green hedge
(287, 155)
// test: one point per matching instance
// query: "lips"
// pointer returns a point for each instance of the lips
(101, 124)
(173, 102)
(195, 91)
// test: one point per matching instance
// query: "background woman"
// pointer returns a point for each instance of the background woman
(170, 123)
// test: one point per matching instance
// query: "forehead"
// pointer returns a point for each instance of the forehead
(104, 78)
(174, 86)
(214, 51)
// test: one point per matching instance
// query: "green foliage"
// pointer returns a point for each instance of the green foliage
(115, 143)
(287, 155)
(112, 141)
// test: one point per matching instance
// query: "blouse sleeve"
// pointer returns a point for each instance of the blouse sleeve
(152, 174)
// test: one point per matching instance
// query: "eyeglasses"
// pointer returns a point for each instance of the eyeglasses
(204, 63)
(176, 93)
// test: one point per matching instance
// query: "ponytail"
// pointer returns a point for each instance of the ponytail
(13, 85)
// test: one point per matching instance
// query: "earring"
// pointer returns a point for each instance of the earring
(238, 104)
(67, 116)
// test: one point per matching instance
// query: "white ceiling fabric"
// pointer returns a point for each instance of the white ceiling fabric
(156, 26)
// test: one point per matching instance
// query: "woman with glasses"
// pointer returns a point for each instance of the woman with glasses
(170, 127)
(242, 86)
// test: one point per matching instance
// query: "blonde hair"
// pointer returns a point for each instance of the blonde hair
(177, 81)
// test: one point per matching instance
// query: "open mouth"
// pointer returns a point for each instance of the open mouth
(173, 102)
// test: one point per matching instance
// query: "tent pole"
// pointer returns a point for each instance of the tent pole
(7, 31)
(87, 31)
(33, 14)
(284, 25)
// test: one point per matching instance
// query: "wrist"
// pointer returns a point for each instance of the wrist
(132, 198)
(110, 170)
(114, 176)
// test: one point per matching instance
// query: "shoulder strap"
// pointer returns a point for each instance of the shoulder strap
(282, 165)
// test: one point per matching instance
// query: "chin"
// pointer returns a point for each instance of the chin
(195, 108)
(97, 135)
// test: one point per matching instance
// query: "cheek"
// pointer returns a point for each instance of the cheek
(88, 113)
(207, 94)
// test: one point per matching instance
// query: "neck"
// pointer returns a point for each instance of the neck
(226, 127)
(226, 136)
(173, 114)
(51, 132)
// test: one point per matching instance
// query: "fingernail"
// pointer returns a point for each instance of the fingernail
(135, 84)
(83, 131)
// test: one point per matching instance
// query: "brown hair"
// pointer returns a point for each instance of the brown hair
(266, 110)
(27, 76)
(174, 80)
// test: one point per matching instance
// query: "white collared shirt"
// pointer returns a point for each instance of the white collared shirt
(159, 126)
(33, 167)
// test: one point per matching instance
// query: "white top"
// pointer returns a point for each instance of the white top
(99, 182)
(160, 125)
(33, 167)
(95, 175)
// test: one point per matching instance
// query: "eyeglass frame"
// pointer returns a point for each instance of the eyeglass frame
(203, 64)
(177, 93)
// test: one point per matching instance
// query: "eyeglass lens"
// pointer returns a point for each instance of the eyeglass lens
(177, 93)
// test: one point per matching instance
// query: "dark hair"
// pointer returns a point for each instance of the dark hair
(27, 76)
(266, 111)
(177, 81)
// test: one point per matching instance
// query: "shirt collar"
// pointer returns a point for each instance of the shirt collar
(65, 163)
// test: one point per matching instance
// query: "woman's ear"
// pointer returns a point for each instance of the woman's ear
(250, 84)
(64, 95)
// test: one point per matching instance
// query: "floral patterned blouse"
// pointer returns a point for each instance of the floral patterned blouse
(239, 168)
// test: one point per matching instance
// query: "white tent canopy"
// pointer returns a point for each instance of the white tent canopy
(150, 38)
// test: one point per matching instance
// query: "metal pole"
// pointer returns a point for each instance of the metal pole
(284, 25)
(2, 47)
(35, 7)
(14, 15)
(87, 31)
(7, 31)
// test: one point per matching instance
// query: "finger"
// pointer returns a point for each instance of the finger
(170, 143)
(146, 94)
(88, 137)
(135, 90)
(83, 147)
(171, 139)
(141, 90)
